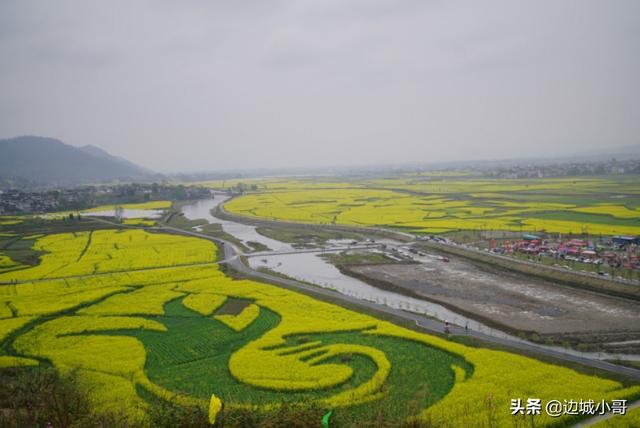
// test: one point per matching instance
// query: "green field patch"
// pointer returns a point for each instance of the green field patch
(420, 375)
(20, 250)
(192, 358)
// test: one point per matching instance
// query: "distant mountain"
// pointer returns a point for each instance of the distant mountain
(48, 160)
(99, 153)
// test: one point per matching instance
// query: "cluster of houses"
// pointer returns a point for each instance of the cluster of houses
(612, 166)
(15, 201)
(20, 202)
(618, 252)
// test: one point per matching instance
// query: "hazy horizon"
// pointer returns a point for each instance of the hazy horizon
(195, 86)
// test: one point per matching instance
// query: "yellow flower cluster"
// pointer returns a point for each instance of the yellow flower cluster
(105, 251)
(204, 303)
(5, 312)
(49, 296)
(113, 365)
(147, 300)
(619, 211)
(370, 390)
(500, 376)
(9, 325)
(70, 341)
(425, 205)
(6, 262)
(215, 405)
(9, 361)
(48, 303)
(240, 321)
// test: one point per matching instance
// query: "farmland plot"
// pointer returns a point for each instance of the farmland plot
(424, 204)
(153, 320)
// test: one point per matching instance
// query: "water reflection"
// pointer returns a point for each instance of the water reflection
(310, 268)
(126, 213)
(246, 233)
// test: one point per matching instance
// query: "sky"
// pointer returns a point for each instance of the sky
(217, 85)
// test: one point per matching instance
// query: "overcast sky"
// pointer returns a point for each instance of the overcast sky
(202, 85)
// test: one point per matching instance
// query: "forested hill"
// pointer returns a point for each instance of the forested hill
(48, 160)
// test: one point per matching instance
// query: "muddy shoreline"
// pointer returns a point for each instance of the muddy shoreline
(572, 279)
(541, 311)
(389, 286)
(538, 308)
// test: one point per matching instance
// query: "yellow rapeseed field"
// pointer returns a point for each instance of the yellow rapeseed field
(80, 314)
(84, 253)
(243, 319)
(432, 204)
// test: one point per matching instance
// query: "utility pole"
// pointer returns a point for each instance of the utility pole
(118, 212)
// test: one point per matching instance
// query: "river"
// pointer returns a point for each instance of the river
(309, 267)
